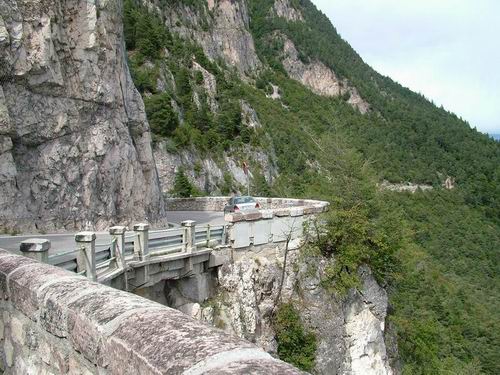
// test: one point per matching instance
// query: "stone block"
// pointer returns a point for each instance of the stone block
(85, 237)
(142, 227)
(117, 230)
(36, 248)
(164, 341)
(35, 245)
(254, 367)
(89, 314)
(24, 284)
(234, 217)
(54, 300)
(8, 264)
(260, 231)
(282, 212)
(218, 258)
(296, 211)
(280, 229)
(240, 235)
(267, 214)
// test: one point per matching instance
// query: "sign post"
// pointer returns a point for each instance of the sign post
(245, 170)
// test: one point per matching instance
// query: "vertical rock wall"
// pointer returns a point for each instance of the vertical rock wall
(350, 332)
(75, 145)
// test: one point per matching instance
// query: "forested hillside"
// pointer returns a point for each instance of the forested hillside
(436, 252)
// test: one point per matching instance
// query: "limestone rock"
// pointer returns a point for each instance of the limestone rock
(222, 33)
(283, 9)
(318, 77)
(207, 174)
(81, 145)
(350, 332)
(210, 86)
(249, 116)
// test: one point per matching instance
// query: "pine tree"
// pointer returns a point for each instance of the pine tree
(182, 186)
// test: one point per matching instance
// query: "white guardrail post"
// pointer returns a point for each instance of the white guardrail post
(141, 253)
(141, 241)
(190, 235)
(85, 259)
(209, 235)
(118, 237)
(36, 248)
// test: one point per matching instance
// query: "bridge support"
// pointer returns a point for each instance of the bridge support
(36, 248)
(85, 259)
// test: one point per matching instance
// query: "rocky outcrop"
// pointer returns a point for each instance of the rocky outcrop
(209, 85)
(350, 331)
(220, 28)
(248, 116)
(283, 9)
(365, 315)
(319, 78)
(404, 187)
(75, 143)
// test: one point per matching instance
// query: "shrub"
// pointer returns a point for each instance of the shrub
(296, 345)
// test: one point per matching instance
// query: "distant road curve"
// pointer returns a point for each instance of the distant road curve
(62, 242)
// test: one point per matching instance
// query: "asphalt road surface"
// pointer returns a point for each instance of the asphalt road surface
(63, 242)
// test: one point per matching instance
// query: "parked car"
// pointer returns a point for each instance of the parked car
(244, 203)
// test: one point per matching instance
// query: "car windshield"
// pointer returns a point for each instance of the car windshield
(241, 200)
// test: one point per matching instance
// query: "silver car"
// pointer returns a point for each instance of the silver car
(244, 203)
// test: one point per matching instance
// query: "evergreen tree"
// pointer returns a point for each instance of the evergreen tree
(182, 186)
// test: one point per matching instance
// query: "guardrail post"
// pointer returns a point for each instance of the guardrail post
(85, 258)
(118, 235)
(141, 241)
(190, 230)
(36, 248)
(208, 235)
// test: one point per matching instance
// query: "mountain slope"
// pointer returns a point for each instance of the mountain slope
(272, 83)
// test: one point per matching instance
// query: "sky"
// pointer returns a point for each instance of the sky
(448, 50)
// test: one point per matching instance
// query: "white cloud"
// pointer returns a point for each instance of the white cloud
(447, 49)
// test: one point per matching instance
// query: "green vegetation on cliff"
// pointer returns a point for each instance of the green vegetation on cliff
(296, 345)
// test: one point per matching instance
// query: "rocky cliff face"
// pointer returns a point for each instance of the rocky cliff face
(221, 29)
(318, 77)
(208, 174)
(75, 146)
(350, 331)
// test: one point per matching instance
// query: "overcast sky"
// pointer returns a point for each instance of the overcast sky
(448, 50)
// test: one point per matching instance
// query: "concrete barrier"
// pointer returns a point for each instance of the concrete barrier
(53, 321)
(277, 220)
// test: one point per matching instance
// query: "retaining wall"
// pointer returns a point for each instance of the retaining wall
(52, 321)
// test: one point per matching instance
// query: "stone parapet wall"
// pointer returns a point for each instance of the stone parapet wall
(53, 321)
(283, 206)
(196, 204)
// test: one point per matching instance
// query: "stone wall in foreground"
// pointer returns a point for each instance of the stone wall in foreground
(52, 321)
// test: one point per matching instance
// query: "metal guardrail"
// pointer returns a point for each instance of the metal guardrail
(159, 243)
